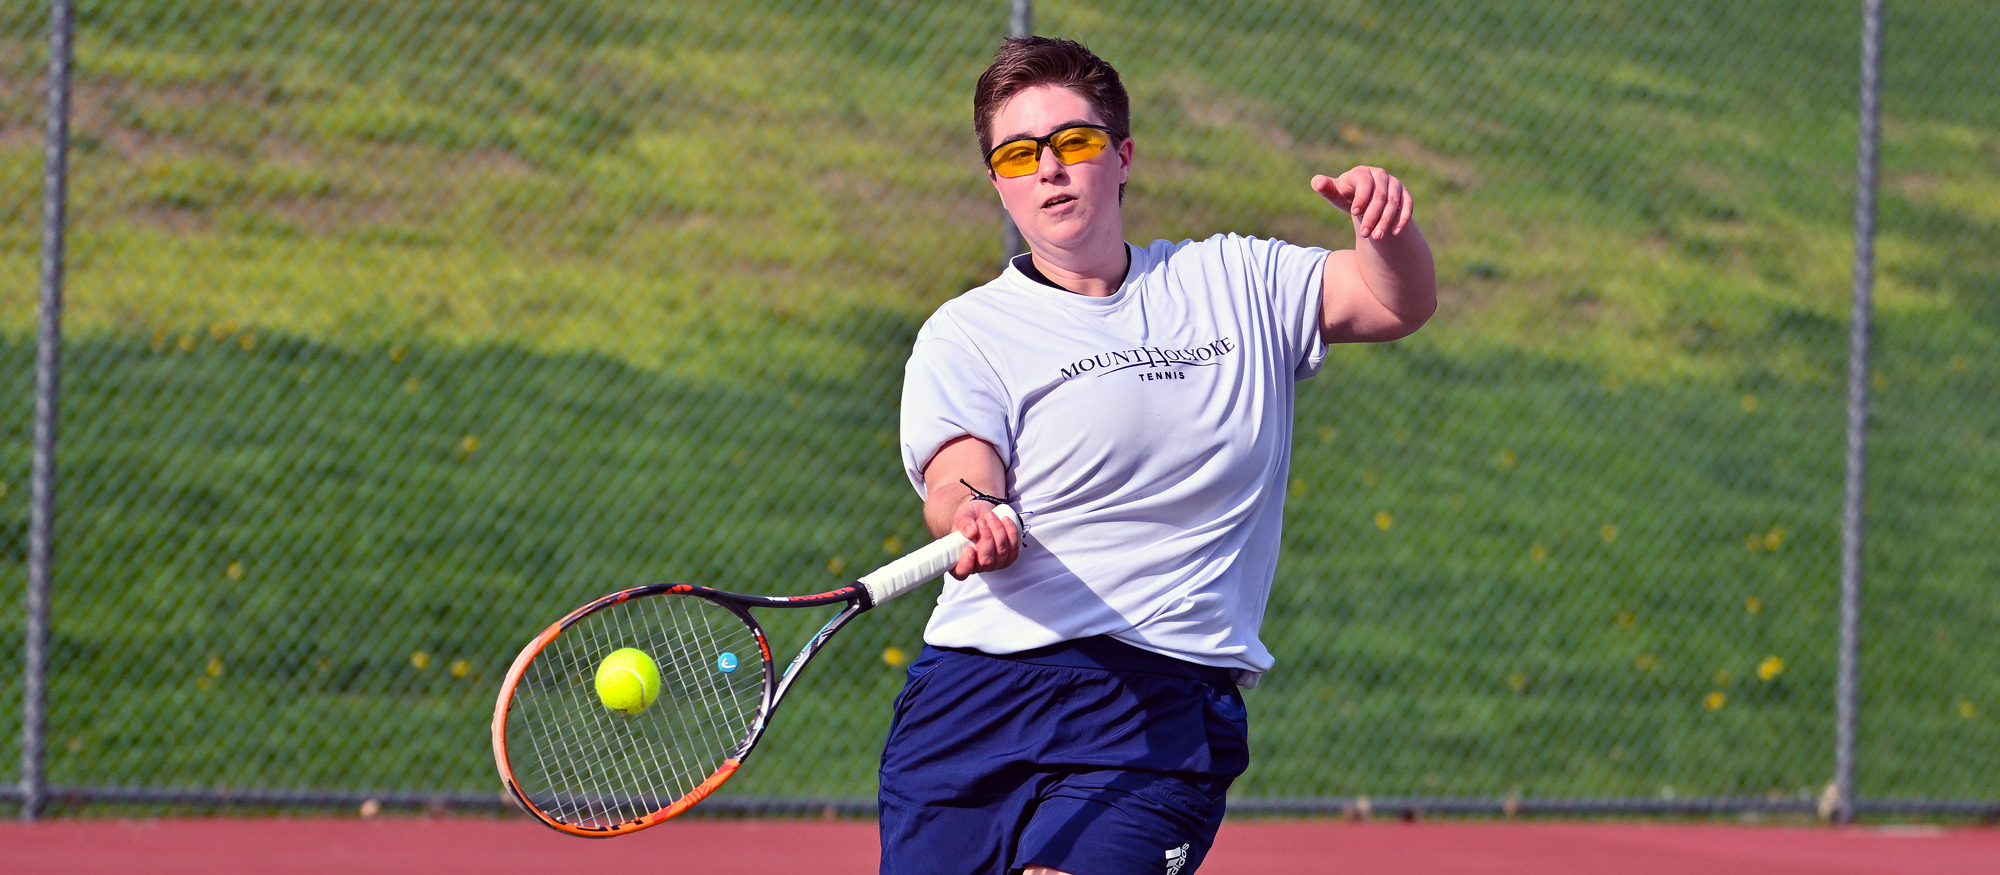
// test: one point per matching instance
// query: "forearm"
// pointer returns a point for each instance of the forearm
(1385, 288)
(1399, 272)
(967, 459)
(942, 504)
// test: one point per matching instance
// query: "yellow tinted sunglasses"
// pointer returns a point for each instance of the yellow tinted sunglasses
(1020, 157)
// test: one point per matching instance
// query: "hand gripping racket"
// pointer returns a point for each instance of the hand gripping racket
(587, 770)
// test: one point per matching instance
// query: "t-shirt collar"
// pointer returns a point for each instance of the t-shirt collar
(1021, 271)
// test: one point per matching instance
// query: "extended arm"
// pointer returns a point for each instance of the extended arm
(1385, 288)
(949, 505)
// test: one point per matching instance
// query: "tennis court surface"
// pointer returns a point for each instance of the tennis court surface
(779, 847)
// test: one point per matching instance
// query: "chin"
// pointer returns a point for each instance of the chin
(1059, 239)
(1065, 231)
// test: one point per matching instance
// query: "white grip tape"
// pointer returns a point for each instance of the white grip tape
(917, 567)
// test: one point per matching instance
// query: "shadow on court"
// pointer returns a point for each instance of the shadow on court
(698, 847)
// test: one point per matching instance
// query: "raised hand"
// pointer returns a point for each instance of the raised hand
(1378, 202)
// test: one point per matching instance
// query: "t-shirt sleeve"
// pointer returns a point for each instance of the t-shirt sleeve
(1291, 277)
(950, 390)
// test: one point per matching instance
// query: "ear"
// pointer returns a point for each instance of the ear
(1125, 158)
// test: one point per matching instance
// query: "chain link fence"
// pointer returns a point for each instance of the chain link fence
(395, 330)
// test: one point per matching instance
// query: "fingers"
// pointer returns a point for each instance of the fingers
(1379, 203)
(1012, 544)
(985, 545)
(996, 543)
(1365, 190)
(1394, 208)
(1371, 220)
(1409, 206)
(1336, 192)
(1006, 541)
(968, 556)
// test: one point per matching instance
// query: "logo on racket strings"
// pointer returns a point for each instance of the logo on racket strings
(725, 662)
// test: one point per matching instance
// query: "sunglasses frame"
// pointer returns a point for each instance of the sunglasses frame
(1042, 143)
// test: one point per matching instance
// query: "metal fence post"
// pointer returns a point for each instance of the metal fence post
(1847, 693)
(48, 367)
(1020, 22)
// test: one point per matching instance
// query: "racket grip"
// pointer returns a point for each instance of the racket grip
(917, 567)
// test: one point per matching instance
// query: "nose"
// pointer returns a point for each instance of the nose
(1050, 169)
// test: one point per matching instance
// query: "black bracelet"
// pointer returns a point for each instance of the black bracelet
(981, 496)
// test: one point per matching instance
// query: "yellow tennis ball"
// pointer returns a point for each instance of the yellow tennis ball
(628, 680)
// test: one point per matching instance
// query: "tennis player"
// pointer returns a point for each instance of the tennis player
(1076, 708)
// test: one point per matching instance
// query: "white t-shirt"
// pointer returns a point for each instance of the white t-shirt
(1146, 437)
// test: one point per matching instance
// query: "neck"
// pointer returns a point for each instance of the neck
(1096, 272)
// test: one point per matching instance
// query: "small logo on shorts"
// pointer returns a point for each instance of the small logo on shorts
(1176, 858)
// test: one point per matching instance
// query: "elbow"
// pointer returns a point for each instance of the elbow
(1420, 315)
(1412, 318)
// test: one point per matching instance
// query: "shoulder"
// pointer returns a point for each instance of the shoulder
(958, 335)
(1216, 248)
(1161, 252)
(950, 321)
(1225, 258)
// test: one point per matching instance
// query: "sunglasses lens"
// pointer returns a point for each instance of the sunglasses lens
(1079, 144)
(1022, 157)
(1018, 158)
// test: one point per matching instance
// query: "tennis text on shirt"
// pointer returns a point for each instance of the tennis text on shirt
(1146, 435)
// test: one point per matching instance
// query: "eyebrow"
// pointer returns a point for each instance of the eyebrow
(1059, 126)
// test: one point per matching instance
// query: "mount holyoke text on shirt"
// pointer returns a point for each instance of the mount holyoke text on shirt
(1151, 357)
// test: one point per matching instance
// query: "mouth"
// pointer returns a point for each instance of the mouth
(1058, 200)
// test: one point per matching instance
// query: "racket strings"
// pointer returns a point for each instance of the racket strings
(582, 763)
(676, 761)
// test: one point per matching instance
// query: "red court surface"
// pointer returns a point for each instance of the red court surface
(780, 847)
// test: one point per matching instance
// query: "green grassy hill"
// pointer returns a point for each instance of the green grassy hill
(397, 330)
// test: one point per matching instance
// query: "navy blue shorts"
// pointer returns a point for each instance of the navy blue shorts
(1092, 757)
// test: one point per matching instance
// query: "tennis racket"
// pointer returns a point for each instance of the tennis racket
(586, 770)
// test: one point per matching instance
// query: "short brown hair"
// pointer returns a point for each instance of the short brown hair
(1024, 62)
